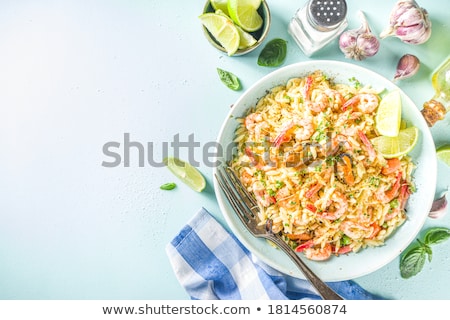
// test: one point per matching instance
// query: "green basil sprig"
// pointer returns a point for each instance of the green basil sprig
(229, 79)
(168, 186)
(412, 261)
(273, 54)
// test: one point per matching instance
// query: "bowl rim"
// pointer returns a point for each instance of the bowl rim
(267, 20)
(261, 86)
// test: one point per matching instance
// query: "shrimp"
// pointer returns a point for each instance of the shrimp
(255, 123)
(261, 195)
(307, 88)
(284, 135)
(305, 128)
(392, 166)
(319, 254)
(325, 99)
(246, 178)
(251, 120)
(333, 98)
(336, 208)
(365, 102)
(386, 196)
(354, 230)
(368, 145)
(338, 143)
(316, 107)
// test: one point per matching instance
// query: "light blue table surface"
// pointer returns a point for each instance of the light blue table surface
(76, 74)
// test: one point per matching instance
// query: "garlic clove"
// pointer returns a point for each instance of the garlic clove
(407, 66)
(439, 207)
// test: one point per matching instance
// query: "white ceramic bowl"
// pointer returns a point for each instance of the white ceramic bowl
(367, 260)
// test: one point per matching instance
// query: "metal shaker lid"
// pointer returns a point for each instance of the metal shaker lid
(327, 14)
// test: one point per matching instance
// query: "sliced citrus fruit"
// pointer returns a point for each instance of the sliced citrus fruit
(223, 30)
(389, 114)
(186, 173)
(245, 15)
(246, 39)
(220, 5)
(443, 154)
(394, 147)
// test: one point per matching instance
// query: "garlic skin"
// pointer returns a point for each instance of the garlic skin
(358, 44)
(407, 66)
(439, 207)
(408, 22)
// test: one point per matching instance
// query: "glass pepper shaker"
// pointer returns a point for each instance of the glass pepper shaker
(318, 23)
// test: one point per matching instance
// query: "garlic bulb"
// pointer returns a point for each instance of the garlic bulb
(407, 66)
(359, 43)
(409, 23)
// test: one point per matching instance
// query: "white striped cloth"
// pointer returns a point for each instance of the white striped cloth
(210, 263)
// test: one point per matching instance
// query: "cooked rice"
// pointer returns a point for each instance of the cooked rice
(292, 152)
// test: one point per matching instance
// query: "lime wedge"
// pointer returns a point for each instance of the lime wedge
(246, 39)
(394, 147)
(443, 154)
(245, 15)
(220, 5)
(223, 30)
(186, 173)
(389, 114)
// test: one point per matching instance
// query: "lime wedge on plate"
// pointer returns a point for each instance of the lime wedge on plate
(394, 147)
(223, 30)
(389, 114)
(186, 173)
(245, 14)
(443, 154)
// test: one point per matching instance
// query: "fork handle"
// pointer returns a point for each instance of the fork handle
(322, 288)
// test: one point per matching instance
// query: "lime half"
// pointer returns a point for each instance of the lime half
(186, 173)
(245, 15)
(394, 147)
(443, 154)
(223, 30)
(389, 114)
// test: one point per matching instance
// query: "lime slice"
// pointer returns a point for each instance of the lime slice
(220, 5)
(186, 173)
(443, 154)
(394, 147)
(389, 114)
(246, 39)
(245, 15)
(223, 30)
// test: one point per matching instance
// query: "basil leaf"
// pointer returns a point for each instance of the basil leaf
(229, 79)
(168, 186)
(412, 262)
(273, 54)
(437, 235)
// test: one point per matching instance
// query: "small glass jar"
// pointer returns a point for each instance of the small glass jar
(318, 23)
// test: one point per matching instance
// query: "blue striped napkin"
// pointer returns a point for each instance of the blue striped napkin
(210, 263)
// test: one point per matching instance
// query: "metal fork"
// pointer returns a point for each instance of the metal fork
(246, 208)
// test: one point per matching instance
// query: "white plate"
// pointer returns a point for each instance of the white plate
(425, 175)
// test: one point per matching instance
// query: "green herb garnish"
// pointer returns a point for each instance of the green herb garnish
(168, 186)
(273, 54)
(412, 262)
(229, 79)
(355, 82)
